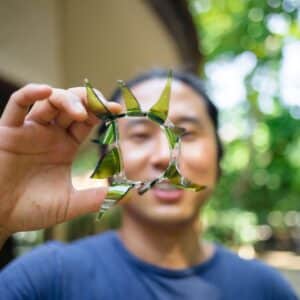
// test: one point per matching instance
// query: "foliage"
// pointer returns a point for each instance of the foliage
(261, 168)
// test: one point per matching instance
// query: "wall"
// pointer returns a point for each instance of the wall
(30, 41)
(62, 42)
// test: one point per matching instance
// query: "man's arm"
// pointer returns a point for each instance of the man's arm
(36, 153)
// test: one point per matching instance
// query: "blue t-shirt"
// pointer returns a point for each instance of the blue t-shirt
(100, 267)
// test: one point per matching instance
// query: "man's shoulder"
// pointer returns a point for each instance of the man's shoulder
(87, 248)
(55, 268)
(57, 253)
(238, 264)
(103, 240)
(253, 273)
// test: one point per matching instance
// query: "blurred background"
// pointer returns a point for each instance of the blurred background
(248, 52)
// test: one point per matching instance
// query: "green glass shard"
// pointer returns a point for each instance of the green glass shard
(190, 186)
(114, 194)
(172, 173)
(108, 165)
(171, 136)
(159, 111)
(132, 105)
(155, 118)
(147, 186)
(95, 104)
(110, 135)
(179, 181)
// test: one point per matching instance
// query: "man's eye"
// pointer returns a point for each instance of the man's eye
(188, 135)
(139, 136)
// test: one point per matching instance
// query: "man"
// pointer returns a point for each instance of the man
(156, 254)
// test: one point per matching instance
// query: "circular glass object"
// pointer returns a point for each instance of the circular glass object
(115, 147)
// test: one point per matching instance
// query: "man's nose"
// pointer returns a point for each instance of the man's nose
(161, 153)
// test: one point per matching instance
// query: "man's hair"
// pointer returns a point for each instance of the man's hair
(189, 79)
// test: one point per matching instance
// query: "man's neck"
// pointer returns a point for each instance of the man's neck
(172, 247)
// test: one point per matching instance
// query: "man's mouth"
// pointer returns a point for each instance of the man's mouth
(166, 192)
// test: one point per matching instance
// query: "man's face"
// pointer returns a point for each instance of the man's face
(146, 154)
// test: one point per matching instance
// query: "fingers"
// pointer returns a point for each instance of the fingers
(42, 112)
(63, 106)
(70, 103)
(114, 108)
(64, 120)
(80, 130)
(85, 201)
(20, 101)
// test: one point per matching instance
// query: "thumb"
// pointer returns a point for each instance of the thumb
(85, 201)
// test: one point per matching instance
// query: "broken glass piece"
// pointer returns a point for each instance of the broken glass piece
(159, 111)
(95, 104)
(108, 165)
(114, 194)
(132, 106)
(110, 135)
(147, 186)
(111, 165)
(172, 137)
(173, 176)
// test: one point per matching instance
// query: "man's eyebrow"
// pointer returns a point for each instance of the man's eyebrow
(188, 119)
(131, 123)
(137, 121)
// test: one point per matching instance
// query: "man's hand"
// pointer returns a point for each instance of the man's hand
(36, 153)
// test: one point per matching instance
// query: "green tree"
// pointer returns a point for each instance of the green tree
(261, 167)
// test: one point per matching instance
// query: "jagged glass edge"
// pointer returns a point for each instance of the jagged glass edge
(114, 194)
(119, 180)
